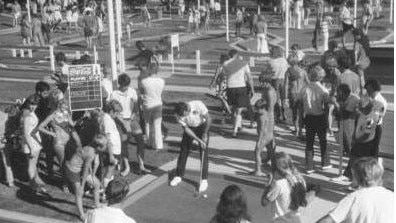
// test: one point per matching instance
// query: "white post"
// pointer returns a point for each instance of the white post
(95, 55)
(199, 4)
(30, 53)
(28, 10)
(355, 13)
(112, 43)
(52, 57)
(251, 61)
(227, 25)
(119, 32)
(13, 51)
(128, 27)
(172, 60)
(78, 55)
(258, 9)
(391, 12)
(287, 29)
(122, 59)
(22, 52)
(198, 61)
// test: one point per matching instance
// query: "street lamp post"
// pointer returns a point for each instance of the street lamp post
(355, 13)
(287, 29)
(227, 25)
(28, 11)
(119, 33)
(391, 12)
(110, 11)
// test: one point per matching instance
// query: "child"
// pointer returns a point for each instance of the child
(190, 20)
(287, 188)
(295, 79)
(232, 206)
(197, 18)
(265, 124)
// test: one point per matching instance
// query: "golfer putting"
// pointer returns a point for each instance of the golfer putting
(195, 120)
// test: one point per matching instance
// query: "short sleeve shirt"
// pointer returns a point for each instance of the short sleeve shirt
(197, 115)
(108, 214)
(279, 195)
(380, 105)
(366, 205)
(127, 100)
(110, 129)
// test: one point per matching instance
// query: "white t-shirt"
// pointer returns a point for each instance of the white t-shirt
(111, 130)
(366, 205)
(279, 195)
(127, 100)
(152, 88)
(107, 88)
(197, 114)
(217, 6)
(290, 217)
(108, 214)
(279, 67)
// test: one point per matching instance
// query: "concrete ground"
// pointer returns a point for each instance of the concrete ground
(151, 200)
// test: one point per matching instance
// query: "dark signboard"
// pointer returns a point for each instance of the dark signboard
(85, 90)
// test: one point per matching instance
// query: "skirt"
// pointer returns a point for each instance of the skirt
(238, 97)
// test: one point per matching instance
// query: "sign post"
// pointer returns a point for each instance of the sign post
(85, 91)
(287, 29)
(112, 43)
(227, 25)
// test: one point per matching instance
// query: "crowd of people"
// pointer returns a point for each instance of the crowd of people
(48, 17)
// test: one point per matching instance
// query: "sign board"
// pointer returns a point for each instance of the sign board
(85, 91)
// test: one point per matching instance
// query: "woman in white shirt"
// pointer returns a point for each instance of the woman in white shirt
(31, 142)
(151, 89)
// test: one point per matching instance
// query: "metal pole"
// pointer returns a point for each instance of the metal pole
(112, 43)
(28, 10)
(198, 61)
(355, 13)
(227, 25)
(391, 12)
(119, 32)
(52, 57)
(287, 29)
(199, 4)
(258, 9)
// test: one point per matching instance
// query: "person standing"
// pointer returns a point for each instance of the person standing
(31, 142)
(349, 77)
(146, 16)
(129, 122)
(361, 50)
(314, 99)
(296, 79)
(46, 25)
(371, 202)
(264, 108)
(90, 26)
(261, 30)
(26, 30)
(239, 88)
(16, 12)
(368, 16)
(181, 8)
(238, 23)
(373, 109)
(277, 67)
(151, 90)
(195, 120)
(346, 20)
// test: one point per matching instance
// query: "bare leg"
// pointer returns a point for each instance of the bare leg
(78, 191)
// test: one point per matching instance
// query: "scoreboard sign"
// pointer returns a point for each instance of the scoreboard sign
(85, 91)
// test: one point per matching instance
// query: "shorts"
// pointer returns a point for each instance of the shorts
(71, 176)
(346, 27)
(88, 32)
(238, 97)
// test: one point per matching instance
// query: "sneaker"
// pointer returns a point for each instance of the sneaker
(340, 179)
(175, 181)
(326, 167)
(309, 171)
(203, 186)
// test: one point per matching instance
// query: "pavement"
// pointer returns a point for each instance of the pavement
(152, 200)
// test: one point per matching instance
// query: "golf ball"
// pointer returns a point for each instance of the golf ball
(205, 196)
